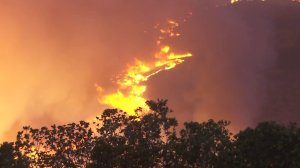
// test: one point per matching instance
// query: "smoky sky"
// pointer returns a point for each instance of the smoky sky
(53, 53)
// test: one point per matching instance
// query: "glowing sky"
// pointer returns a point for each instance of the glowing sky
(53, 52)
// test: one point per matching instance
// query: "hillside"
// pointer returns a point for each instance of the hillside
(283, 81)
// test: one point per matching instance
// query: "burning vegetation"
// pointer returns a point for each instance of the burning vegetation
(131, 84)
(126, 137)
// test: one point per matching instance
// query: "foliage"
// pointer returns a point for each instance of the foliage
(9, 158)
(137, 141)
(205, 144)
(268, 145)
(151, 139)
(6, 155)
(59, 146)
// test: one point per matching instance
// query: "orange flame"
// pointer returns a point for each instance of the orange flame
(131, 85)
(233, 1)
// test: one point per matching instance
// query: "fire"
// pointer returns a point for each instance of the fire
(33, 154)
(131, 84)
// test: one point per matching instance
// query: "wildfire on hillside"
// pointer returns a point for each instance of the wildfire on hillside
(131, 84)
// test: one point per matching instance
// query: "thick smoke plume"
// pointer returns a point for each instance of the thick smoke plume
(52, 53)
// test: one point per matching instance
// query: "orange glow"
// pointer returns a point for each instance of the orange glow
(33, 154)
(131, 84)
(234, 1)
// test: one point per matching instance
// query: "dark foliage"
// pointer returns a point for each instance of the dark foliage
(58, 146)
(10, 158)
(268, 145)
(6, 155)
(150, 140)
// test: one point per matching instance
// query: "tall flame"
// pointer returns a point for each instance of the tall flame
(131, 84)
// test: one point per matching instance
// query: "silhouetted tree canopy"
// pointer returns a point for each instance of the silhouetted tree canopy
(11, 158)
(268, 145)
(58, 146)
(151, 139)
(6, 154)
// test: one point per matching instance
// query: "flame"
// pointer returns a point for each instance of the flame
(131, 84)
(33, 153)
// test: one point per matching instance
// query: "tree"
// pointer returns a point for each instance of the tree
(150, 140)
(135, 141)
(59, 146)
(268, 145)
(206, 144)
(6, 155)
(9, 158)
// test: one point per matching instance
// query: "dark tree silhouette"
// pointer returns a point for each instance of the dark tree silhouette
(150, 139)
(59, 146)
(6, 155)
(206, 144)
(268, 145)
(9, 158)
(134, 141)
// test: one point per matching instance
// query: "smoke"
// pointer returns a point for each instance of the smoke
(54, 52)
(242, 69)
(225, 79)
